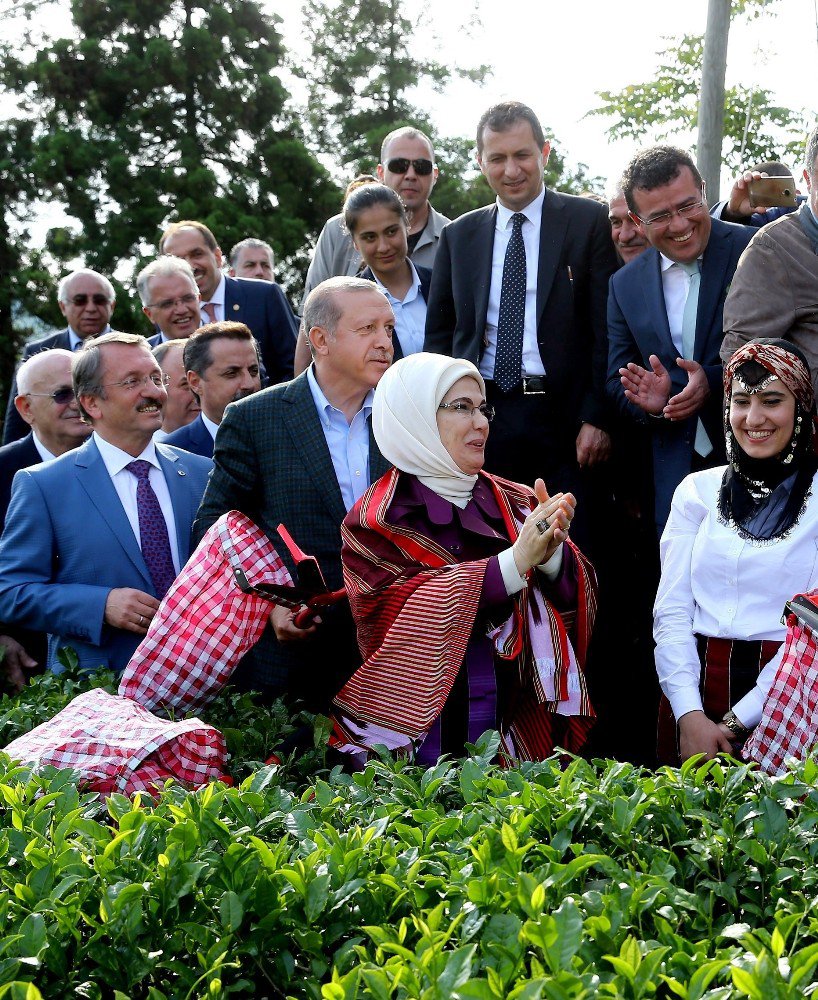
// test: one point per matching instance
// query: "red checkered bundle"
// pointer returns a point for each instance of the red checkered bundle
(789, 722)
(118, 746)
(206, 623)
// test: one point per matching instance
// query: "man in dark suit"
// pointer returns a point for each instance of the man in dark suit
(93, 539)
(519, 288)
(222, 366)
(86, 299)
(46, 402)
(665, 318)
(261, 305)
(300, 455)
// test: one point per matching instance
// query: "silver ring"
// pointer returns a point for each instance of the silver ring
(543, 525)
(141, 620)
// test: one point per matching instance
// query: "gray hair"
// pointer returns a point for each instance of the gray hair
(812, 151)
(323, 307)
(86, 367)
(161, 351)
(165, 266)
(406, 132)
(251, 243)
(62, 289)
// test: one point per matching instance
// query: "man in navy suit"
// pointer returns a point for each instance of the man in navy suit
(665, 318)
(94, 538)
(46, 402)
(222, 366)
(261, 305)
(550, 414)
(86, 299)
(301, 454)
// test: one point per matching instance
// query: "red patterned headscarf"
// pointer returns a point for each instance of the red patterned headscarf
(781, 361)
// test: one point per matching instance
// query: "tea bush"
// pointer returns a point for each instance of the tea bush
(460, 880)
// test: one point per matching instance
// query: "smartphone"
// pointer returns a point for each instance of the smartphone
(772, 192)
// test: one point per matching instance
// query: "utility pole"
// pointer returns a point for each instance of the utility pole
(711, 104)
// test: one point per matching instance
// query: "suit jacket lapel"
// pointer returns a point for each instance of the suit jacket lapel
(180, 497)
(309, 444)
(715, 263)
(93, 476)
(553, 226)
(233, 300)
(377, 463)
(481, 268)
(653, 290)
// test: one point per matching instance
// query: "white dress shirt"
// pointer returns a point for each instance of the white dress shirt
(42, 451)
(410, 314)
(675, 285)
(125, 483)
(209, 425)
(217, 300)
(532, 360)
(716, 583)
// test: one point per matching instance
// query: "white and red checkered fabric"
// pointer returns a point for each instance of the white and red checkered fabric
(118, 746)
(206, 623)
(789, 721)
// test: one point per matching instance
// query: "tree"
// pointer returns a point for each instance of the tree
(755, 127)
(160, 109)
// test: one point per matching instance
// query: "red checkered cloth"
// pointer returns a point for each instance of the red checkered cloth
(118, 746)
(789, 721)
(206, 623)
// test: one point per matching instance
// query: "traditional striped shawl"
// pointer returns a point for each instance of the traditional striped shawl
(415, 608)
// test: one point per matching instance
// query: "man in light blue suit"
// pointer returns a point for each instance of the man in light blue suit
(94, 538)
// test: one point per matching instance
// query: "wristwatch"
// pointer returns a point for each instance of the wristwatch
(734, 725)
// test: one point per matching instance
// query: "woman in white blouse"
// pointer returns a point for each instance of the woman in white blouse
(739, 542)
(376, 220)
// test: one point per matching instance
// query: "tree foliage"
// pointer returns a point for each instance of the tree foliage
(668, 104)
(160, 109)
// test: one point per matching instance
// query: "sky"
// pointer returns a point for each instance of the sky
(554, 56)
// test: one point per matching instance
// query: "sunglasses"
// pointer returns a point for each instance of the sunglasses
(400, 165)
(82, 299)
(60, 396)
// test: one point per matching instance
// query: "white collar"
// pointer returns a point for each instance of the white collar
(532, 211)
(116, 459)
(412, 293)
(217, 298)
(212, 428)
(42, 451)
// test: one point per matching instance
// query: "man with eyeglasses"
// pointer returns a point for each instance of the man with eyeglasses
(45, 400)
(170, 298)
(94, 538)
(408, 167)
(775, 290)
(86, 299)
(665, 318)
(261, 305)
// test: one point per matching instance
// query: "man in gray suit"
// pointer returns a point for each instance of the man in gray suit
(300, 454)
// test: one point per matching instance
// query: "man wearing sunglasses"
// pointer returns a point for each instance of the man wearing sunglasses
(86, 299)
(408, 167)
(94, 538)
(665, 318)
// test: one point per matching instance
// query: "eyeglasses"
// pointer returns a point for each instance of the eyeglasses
(82, 299)
(165, 304)
(59, 396)
(458, 406)
(663, 220)
(400, 164)
(132, 383)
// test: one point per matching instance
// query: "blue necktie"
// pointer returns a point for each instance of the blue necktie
(508, 362)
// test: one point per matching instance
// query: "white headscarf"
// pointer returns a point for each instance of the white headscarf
(404, 421)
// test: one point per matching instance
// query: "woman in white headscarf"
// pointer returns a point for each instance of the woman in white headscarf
(464, 587)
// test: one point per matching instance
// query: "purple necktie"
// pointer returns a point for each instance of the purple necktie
(153, 531)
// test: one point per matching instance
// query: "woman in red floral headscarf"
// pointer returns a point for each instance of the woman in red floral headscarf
(739, 542)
